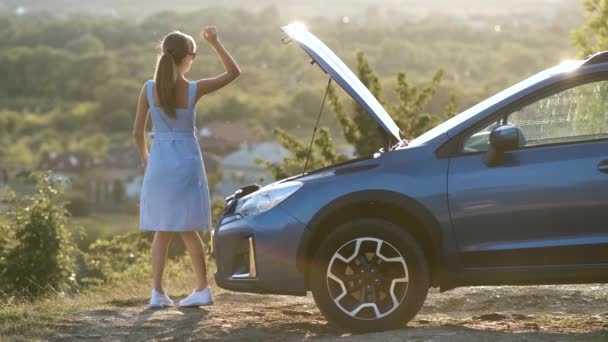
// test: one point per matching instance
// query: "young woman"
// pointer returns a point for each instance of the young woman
(175, 196)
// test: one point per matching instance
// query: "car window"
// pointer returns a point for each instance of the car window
(575, 114)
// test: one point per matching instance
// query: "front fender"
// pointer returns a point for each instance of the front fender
(408, 205)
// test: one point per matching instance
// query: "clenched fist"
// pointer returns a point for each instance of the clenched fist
(210, 34)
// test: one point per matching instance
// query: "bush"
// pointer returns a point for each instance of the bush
(5, 245)
(43, 257)
(7, 239)
(122, 255)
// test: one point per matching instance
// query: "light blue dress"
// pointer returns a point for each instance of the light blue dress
(175, 194)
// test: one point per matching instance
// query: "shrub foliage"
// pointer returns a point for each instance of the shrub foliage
(43, 254)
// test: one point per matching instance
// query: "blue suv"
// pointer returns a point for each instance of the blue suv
(512, 191)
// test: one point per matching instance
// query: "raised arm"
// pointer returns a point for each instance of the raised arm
(139, 128)
(232, 70)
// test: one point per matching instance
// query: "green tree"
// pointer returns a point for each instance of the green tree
(323, 153)
(593, 35)
(590, 38)
(85, 44)
(360, 129)
(19, 155)
(97, 145)
(409, 110)
(117, 104)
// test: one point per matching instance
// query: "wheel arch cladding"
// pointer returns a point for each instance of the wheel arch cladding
(394, 207)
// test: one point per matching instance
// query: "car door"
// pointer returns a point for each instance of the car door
(547, 203)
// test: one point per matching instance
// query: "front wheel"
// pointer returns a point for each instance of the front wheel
(369, 275)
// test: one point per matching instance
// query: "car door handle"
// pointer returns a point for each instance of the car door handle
(603, 166)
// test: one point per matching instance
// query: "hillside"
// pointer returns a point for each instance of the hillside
(294, 8)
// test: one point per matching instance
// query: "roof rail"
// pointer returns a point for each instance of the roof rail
(596, 58)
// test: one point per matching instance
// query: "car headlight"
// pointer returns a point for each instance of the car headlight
(266, 198)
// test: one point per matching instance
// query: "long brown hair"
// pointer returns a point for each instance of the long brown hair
(174, 47)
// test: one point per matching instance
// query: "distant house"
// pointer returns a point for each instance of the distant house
(123, 162)
(96, 178)
(121, 166)
(67, 166)
(239, 168)
(211, 161)
(222, 138)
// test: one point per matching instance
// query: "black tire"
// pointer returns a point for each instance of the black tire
(411, 299)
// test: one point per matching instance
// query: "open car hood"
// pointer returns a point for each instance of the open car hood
(333, 65)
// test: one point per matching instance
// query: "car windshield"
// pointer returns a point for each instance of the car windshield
(471, 112)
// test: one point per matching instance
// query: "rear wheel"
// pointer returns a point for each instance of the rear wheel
(369, 275)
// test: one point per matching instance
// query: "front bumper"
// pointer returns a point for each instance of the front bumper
(258, 253)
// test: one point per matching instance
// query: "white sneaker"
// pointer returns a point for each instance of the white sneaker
(197, 298)
(159, 300)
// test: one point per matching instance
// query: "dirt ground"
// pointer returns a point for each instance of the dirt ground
(533, 313)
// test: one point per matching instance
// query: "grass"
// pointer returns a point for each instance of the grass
(102, 226)
(106, 225)
(97, 226)
(24, 320)
(21, 320)
(27, 320)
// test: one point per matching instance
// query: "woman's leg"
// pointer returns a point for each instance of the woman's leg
(195, 248)
(160, 247)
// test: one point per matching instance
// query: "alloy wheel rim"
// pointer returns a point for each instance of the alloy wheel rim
(367, 278)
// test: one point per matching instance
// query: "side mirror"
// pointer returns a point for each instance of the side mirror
(502, 139)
